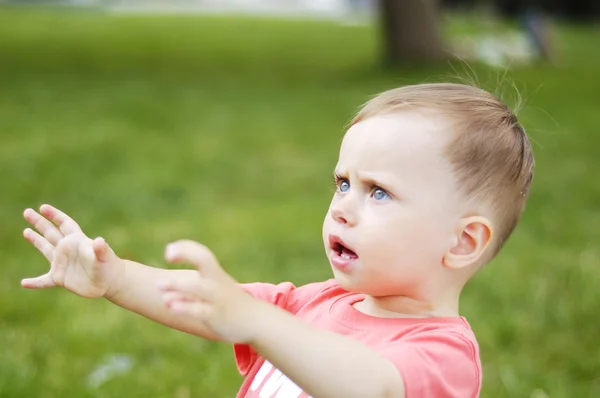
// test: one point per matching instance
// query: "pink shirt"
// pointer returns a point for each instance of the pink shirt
(437, 357)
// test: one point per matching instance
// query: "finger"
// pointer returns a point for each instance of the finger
(196, 309)
(85, 250)
(65, 223)
(40, 243)
(170, 297)
(188, 284)
(194, 288)
(46, 228)
(41, 282)
(187, 251)
(102, 250)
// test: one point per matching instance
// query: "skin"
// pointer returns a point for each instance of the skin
(395, 206)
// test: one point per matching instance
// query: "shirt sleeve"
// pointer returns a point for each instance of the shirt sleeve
(284, 295)
(437, 364)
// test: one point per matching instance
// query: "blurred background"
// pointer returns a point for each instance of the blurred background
(219, 121)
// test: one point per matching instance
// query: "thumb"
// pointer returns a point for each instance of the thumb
(187, 251)
(102, 250)
(41, 282)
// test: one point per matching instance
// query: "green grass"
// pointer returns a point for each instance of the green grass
(225, 130)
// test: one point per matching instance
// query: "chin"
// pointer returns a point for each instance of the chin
(346, 282)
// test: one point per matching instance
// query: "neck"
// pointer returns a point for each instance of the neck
(422, 306)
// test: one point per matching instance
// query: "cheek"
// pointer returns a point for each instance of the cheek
(403, 230)
(425, 239)
(327, 221)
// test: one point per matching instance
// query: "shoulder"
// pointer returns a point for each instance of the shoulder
(438, 360)
(291, 297)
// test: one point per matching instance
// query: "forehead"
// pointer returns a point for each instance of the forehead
(398, 141)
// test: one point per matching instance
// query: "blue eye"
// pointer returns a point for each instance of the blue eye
(344, 186)
(380, 194)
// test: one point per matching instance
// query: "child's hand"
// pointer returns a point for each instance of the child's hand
(212, 296)
(88, 268)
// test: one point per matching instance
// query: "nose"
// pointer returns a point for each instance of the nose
(341, 213)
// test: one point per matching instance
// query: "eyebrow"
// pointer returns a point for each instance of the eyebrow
(386, 180)
(383, 180)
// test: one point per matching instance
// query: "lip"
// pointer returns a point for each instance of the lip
(343, 264)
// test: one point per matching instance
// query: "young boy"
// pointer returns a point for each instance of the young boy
(431, 181)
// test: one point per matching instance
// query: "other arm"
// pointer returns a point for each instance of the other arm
(323, 363)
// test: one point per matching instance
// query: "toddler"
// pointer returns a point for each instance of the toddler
(431, 181)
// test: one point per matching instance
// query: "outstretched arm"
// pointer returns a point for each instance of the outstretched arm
(90, 268)
(138, 292)
(322, 363)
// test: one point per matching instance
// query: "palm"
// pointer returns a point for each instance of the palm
(78, 281)
(72, 255)
(74, 266)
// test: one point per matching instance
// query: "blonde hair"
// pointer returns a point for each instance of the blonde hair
(490, 152)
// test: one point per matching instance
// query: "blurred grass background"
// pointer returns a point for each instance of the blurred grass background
(226, 130)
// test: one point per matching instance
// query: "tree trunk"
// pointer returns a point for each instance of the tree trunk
(411, 31)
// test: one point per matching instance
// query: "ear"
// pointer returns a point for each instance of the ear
(472, 240)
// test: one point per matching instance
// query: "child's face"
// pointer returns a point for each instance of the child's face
(396, 207)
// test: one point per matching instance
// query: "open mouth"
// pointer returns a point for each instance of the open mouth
(341, 249)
